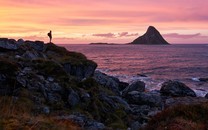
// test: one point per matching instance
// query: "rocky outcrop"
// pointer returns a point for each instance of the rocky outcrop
(184, 101)
(151, 37)
(177, 89)
(206, 96)
(8, 44)
(81, 71)
(108, 81)
(84, 122)
(135, 86)
(142, 98)
(63, 84)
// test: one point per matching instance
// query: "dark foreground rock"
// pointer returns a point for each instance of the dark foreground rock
(7, 44)
(151, 37)
(177, 89)
(142, 98)
(83, 121)
(206, 96)
(184, 101)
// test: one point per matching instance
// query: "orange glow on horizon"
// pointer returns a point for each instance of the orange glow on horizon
(79, 21)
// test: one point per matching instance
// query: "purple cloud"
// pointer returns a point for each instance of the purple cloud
(126, 34)
(106, 35)
(184, 36)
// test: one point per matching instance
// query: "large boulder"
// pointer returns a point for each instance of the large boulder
(80, 70)
(73, 98)
(107, 81)
(142, 98)
(184, 100)
(8, 44)
(32, 55)
(135, 86)
(206, 96)
(37, 45)
(177, 89)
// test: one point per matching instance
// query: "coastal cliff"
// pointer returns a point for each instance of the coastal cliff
(44, 86)
(151, 37)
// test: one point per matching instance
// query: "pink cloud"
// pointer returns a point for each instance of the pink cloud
(126, 34)
(184, 36)
(106, 35)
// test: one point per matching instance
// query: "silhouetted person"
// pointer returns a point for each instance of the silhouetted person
(50, 35)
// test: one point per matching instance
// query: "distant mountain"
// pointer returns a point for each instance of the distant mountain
(151, 37)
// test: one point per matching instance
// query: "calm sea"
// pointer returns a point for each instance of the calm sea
(159, 63)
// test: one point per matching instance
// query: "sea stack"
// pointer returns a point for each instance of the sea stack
(151, 37)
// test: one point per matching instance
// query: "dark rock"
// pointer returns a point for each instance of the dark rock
(73, 98)
(142, 98)
(136, 125)
(177, 89)
(206, 96)
(32, 55)
(135, 86)
(8, 44)
(122, 85)
(151, 37)
(119, 100)
(46, 110)
(20, 42)
(83, 121)
(184, 100)
(142, 75)
(107, 81)
(203, 79)
(37, 45)
(80, 71)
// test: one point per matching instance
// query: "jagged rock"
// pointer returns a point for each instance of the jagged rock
(20, 42)
(32, 55)
(107, 81)
(151, 37)
(177, 89)
(135, 86)
(119, 100)
(46, 110)
(37, 45)
(184, 100)
(206, 96)
(73, 98)
(81, 71)
(84, 122)
(8, 44)
(142, 98)
(136, 125)
(122, 85)
(203, 79)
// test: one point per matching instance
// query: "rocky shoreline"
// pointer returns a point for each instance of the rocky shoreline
(66, 86)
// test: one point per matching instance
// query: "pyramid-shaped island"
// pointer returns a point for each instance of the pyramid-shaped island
(151, 37)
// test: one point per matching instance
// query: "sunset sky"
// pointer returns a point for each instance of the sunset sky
(115, 21)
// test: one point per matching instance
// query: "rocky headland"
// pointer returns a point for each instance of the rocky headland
(151, 37)
(44, 86)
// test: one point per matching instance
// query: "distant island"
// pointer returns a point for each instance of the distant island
(102, 43)
(151, 37)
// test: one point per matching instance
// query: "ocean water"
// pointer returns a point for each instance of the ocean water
(159, 63)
